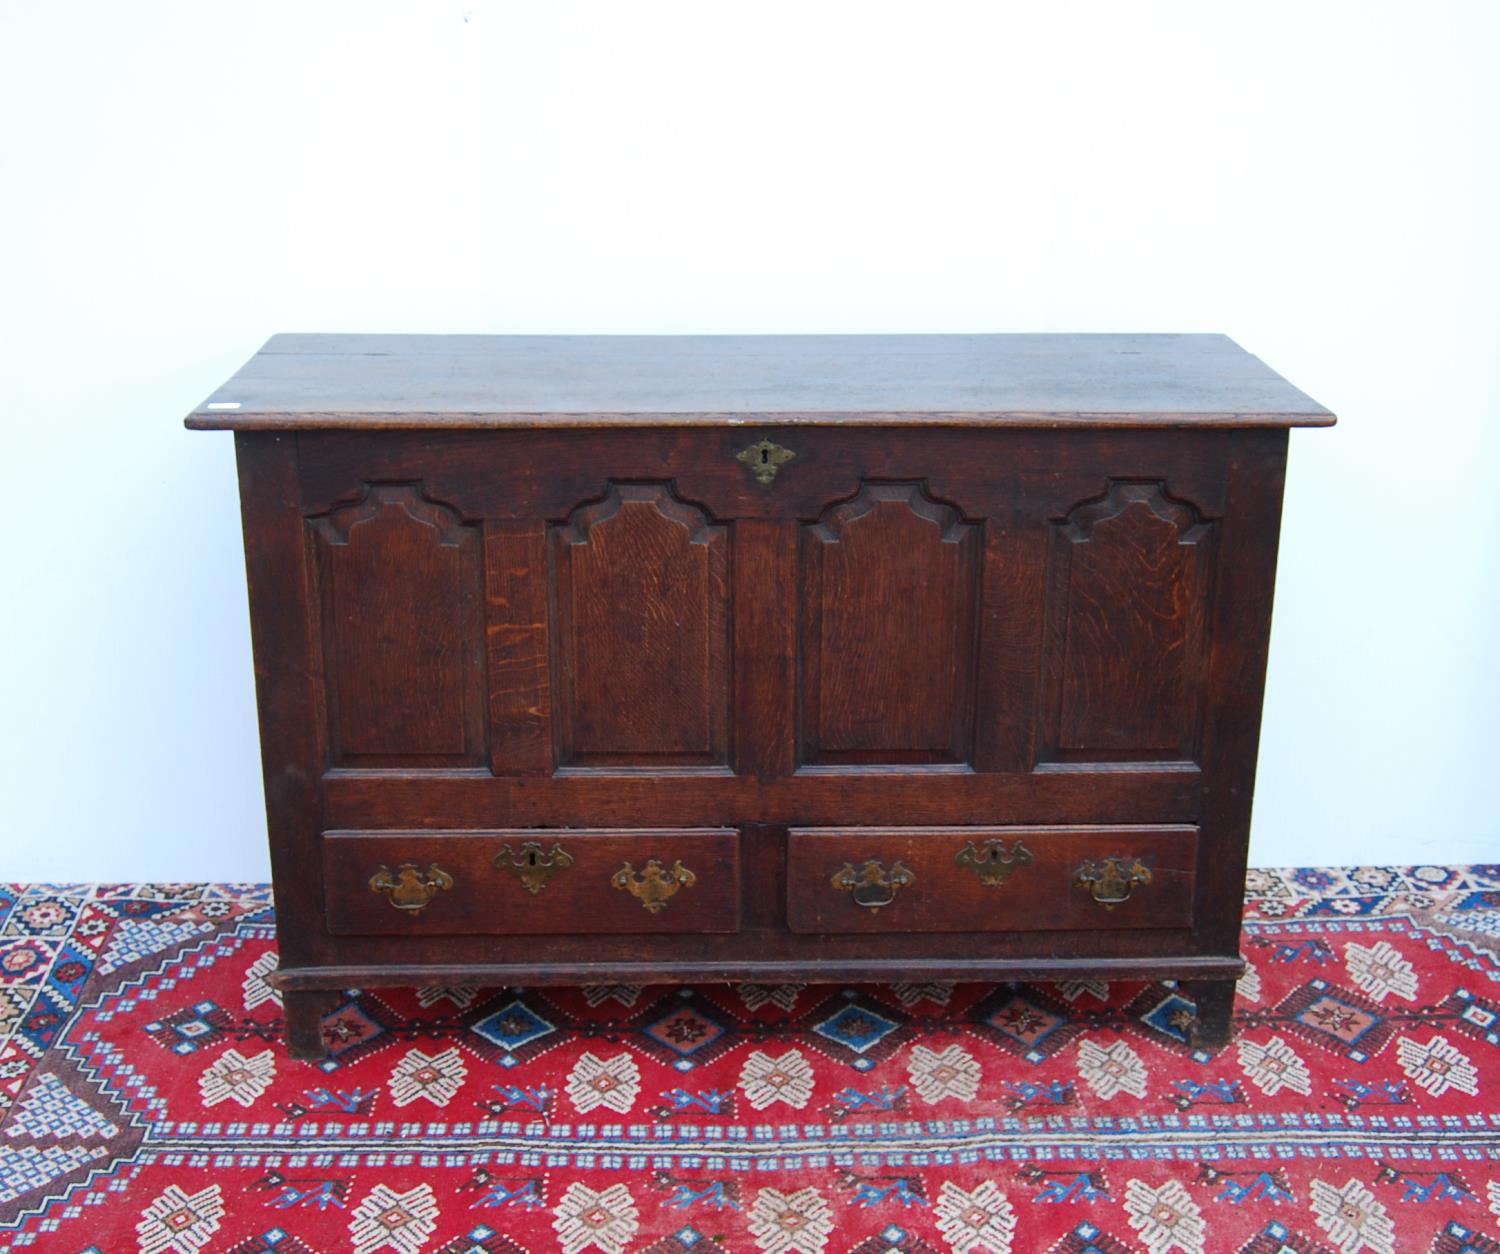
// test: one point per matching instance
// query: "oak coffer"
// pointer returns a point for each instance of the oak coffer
(758, 658)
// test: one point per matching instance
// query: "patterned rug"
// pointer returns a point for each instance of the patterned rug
(148, 1104)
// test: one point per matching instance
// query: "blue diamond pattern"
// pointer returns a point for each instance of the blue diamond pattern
(684, 1030)
(1170, 1007)
(512, 1026)
(856, 1028)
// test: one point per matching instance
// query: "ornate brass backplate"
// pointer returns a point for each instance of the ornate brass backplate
(654, 884)
(409, 887)
(533, 868)
(1111, 880)
(764, 459)
(872, 885)
(993, 861)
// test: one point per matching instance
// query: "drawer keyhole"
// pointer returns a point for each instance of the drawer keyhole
(533, 868)
(994, 861)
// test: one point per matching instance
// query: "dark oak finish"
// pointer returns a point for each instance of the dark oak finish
(403, 658)
(640, 603)
(986, 879)
(300, 382)
(565, 885)
(889, 599)
(1214, 1001)
(872, 657)
(1132, 565)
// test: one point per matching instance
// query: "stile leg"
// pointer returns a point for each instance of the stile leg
(305, 1009)
(1214, 1000)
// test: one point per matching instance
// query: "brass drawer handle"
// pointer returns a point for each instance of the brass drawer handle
(533, 868)
(1111, 880)
(408, 887)
(872, 885)
(655, 884)
(764, 459)
(992, 861)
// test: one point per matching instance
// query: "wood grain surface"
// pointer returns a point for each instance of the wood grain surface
(372, 381)
(580, 898)
(1037, 895)
(631, 643)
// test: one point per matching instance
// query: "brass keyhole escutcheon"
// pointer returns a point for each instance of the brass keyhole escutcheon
(408, 887)
(764, 459)
(654, 884)
(992, 861)
(1110, 881)
(872, 886)
(532, 867)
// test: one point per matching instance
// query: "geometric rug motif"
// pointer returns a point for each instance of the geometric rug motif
(147, 1103)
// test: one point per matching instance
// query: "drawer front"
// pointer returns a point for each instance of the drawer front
(532, 880)
(989, 879)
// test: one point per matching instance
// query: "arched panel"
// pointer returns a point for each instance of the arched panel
(1126, 643)
(400, 587)
(888, 642)
(641, 604)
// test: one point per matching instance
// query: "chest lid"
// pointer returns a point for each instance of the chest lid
(312, 382)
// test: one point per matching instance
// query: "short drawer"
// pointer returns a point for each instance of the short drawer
(532, 880)
(989, 879)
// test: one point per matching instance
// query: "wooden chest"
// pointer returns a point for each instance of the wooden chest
(627, 659)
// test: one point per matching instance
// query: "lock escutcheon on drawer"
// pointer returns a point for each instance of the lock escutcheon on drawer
(966, 879)
(515, 882)
(531, 866)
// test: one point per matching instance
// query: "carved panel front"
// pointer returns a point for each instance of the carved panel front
(887, 631)
(1126, 639)
(400, 590)
(641, 606)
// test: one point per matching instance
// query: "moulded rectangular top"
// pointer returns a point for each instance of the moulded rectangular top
(314, 382)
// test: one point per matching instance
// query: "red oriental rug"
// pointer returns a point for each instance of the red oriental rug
(149, 1106)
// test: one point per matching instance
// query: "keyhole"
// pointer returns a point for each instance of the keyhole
(765, 457)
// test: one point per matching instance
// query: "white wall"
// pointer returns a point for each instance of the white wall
(177, 181)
